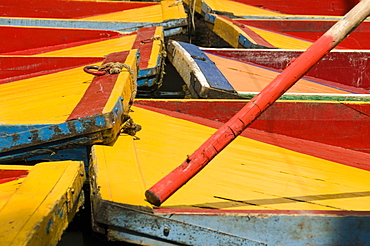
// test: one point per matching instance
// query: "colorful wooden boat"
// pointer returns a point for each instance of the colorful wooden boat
(38, 202)
(276, 184)
(50, 103)
(235, 73)
(245, 26)
(102, 15)
(73, 43)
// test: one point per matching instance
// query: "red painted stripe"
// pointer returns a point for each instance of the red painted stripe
(144, 42)
(256, 38)
(328, 152)
(312, 30)
(99, 91)
(65, 9)
(10, 175)
(18, 68)
(41, 40)
(261, 212)
(350, 123)
(307, 7)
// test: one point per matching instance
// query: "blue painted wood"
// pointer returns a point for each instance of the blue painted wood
(97, 25)
(213, 75)
(21, 141)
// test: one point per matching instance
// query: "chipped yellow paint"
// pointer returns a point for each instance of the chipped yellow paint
(40, 209)
(247, 170)
(157, 49)
(249, 78)
(124, 85)
(165, 10)
(51, 97)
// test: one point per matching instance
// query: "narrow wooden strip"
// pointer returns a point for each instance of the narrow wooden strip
(144, 41)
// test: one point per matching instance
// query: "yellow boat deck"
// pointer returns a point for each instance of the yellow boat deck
(246, 175)
(54, 100)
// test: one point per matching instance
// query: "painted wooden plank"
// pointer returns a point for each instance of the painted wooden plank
(310, 30)
(327, 7)
(229, 30)
(67, 43)
(247, 79)
(65, 116)
(347, 67)
(204, 80)
(299, 119)
(122, 16)
(20, 67)
(229, 189)
(43, 205)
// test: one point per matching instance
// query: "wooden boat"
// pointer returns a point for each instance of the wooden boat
(246, 26)
(73, 108)
(289, 179)
(38, 202)
(242, 73)
(73, 43)
(98, 15)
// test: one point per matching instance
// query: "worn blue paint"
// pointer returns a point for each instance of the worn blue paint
(240, 228)
(160, 229)
(213, 75)
(21, 141)
(210, 18)
(97, 25)
(147, 81)
(75, 154)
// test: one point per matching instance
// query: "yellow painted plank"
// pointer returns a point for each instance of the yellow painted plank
(111, 167)
(101, 48)
(262, 175)
(157, 48)
(43, 205)
(228, 31)
(50, 97)
(248, 78)
(238, 9)
(165, 10)
(282, 41)
(173, 9)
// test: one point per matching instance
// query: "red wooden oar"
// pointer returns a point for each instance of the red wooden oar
(162, 190)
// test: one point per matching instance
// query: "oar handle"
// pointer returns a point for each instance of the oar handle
(168, 185)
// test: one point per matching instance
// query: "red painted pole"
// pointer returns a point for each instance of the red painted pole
(168, 185)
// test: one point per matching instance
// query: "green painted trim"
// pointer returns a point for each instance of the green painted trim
(315, 97)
